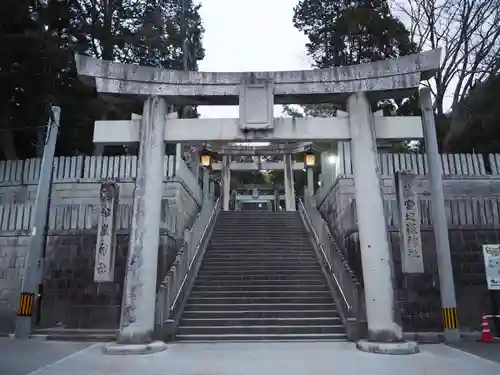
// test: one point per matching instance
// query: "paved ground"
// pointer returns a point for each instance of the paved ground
(20, 357)
(488, 351)
(320, 358)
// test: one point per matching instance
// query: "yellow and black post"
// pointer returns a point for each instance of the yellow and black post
(26, 303)
(450, 318)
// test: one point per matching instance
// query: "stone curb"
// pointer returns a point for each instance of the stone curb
(31, 337)
(124, 349)
(393, 348)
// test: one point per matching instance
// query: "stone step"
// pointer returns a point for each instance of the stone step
(258, 220)
(230, 256)
(258, 251)
(262, 268)
(231, 306)
(260, 230)
(250, 277)
(261, 285)
(263, 337)
(262, 329)
(239, 259)
(236, 279)
(259, 213)
(275, 232)
(259, 254)
(278, 321)
(269, 216)
(260, 280)
(258, 227)
(288, 264)
(260, 314)
(260, 300)
(243, 242)
(258, 293)
(250, 225)
(258, 273)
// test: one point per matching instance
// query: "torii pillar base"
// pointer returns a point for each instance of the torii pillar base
(394, 348)
(131, 349)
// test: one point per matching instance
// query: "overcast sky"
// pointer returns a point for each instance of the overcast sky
(250, 35)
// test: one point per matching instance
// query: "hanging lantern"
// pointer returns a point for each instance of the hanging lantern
(205, 158)
(309, 158)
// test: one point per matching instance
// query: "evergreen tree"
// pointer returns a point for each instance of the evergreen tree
(38, 39)
(352, 32)
(474, 127)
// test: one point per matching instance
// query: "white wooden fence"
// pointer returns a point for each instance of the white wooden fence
(79, 216)
(17, 217)
(451, 164)
(78, 168)
(460, 212)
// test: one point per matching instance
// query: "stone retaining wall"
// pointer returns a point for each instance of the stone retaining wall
(418, 295)
(70, 296)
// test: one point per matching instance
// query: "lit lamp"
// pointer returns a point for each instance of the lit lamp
(309, 158)
(206, 158)
(309, 161)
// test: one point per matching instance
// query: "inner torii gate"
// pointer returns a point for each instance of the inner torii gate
(283, 151)
(357, 87)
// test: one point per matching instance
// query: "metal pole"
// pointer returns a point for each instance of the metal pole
(310, 181)
(440, 224)
(226, 181)
(206, 184)
(34, 258)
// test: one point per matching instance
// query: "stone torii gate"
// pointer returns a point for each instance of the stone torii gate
(358, 87)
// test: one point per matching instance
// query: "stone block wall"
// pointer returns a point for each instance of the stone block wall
(473, 213)
(12, 255)
(418, 295)
(70, 296)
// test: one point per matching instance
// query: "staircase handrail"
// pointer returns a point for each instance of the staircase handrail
(346, 282)
(174, 284)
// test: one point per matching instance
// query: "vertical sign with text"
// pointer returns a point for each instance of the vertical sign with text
(411, 242)
(492, 266)
(104, 269)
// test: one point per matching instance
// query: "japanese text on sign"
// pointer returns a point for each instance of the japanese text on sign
(491, 255)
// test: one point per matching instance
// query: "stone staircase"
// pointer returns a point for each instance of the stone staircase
(260, 280)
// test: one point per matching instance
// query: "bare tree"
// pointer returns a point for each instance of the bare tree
(468, 31)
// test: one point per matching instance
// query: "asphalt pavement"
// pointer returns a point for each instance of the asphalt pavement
(21, 357)
(228, 358)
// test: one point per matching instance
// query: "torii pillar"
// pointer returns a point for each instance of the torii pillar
(289, 183)
(135, 334)
(384, 327)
